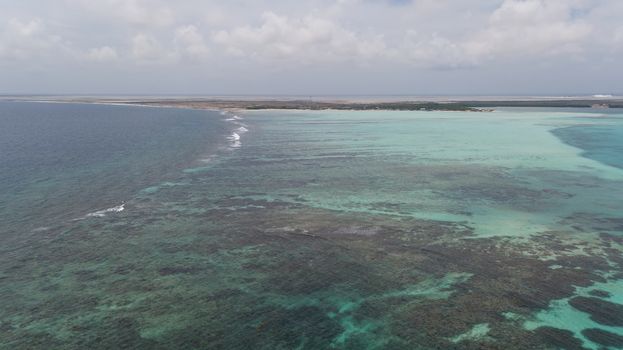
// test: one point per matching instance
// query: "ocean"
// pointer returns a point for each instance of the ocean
(137, 227)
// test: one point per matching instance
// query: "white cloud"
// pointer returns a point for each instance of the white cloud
(530, 27)
(102, 54)
(518, 29)
(190, 43)
(145, 48)
(136, 12)
(304, 40)
(187, 44)
(369, 37)
(21, 40)
(433, 51)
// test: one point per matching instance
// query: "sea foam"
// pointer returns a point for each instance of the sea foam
(234, 138)
(234, 118)
(102, 213)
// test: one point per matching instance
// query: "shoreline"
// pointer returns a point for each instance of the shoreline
(241, 105)
(279, 105)
(263, 105)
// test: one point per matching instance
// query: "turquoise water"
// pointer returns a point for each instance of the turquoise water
(312, 230)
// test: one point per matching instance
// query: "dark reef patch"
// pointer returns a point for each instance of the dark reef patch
(602, 337)
(601, 311)
(599, 293)
(559, 338)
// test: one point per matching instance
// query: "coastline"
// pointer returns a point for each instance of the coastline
(285, 105)
(240, 104)
(263, 105)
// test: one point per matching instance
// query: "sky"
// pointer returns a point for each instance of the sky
(315, 47)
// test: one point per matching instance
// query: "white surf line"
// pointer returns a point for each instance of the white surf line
(235, 137)
(104, 212)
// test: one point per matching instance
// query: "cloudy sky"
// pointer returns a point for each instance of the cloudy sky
(315, 47)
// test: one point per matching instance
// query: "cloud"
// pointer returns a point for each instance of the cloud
(190, 43)
(368, 38)
(146, 49)
(433, 51)
(28, 39)
(135, 12)
(187, 44)
(618, 36)
(102, 54)
(530, 27)
(305, 40)
(406, 32)
(517, 29)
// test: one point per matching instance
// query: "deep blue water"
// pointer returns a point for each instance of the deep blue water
(602, 142)
(60, 161)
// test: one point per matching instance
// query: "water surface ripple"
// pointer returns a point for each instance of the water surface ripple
(128, 227)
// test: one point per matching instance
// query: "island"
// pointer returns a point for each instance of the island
(481, 104)
(310, 105)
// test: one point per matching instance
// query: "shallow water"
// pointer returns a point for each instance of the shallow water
(311, 230)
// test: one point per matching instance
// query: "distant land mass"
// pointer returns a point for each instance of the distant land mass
(328, 103)
(314, 105)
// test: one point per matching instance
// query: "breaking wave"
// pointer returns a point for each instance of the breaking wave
(234, 138)
(104, 212)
